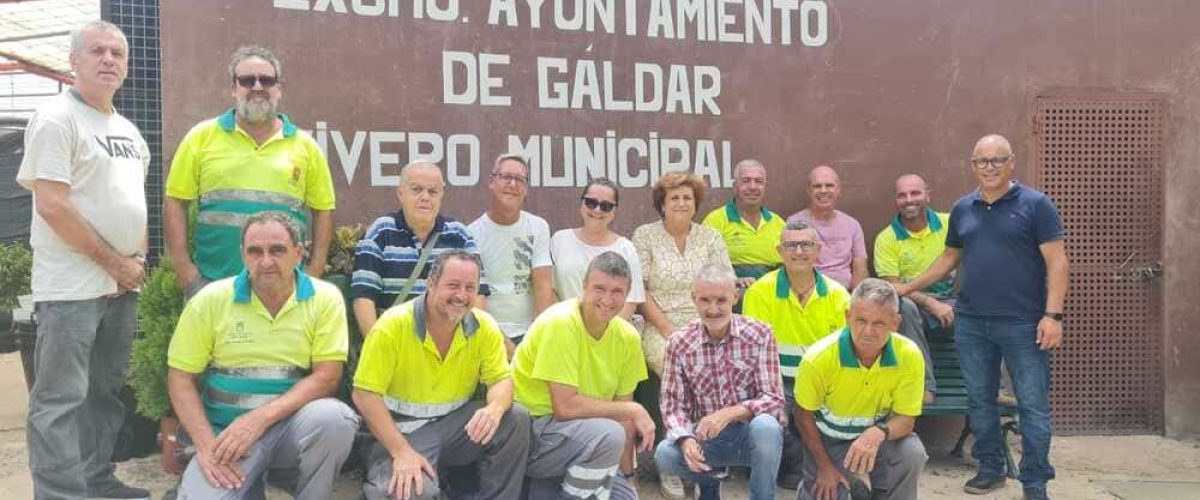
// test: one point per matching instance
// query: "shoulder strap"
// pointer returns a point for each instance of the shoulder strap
(416, 272)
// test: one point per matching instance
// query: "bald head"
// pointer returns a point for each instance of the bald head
(908, 181)
(824, 189)
(823, 173)
(420, 193)
(419, 164)
(993, 163)
(912, 198)
(992, 145)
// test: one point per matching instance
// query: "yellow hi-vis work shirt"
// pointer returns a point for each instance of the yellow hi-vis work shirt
(751, 250)
(249, 355)
(400, 361)
(231, 177)
(905, 255)
(796, 326)
(559, 349)
(847, 397)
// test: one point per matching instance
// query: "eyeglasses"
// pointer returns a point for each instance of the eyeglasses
(993, 162)
(519, 180)
(247, 81)
(807, 246)
(604, 206)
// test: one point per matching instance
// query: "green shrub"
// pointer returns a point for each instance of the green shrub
(159, 307)
(15, 263)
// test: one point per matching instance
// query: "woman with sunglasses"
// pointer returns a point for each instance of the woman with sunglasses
(573, 249)
(672, 251)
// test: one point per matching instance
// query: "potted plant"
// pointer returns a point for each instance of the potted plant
(159, 307)
(15, 263)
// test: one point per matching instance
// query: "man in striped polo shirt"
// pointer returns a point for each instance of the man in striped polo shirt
(802, 306)
(393, 257)
(858, 395)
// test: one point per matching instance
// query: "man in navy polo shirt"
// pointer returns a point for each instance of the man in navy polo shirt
(1008, 239)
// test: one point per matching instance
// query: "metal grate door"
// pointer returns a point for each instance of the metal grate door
(1099, 156)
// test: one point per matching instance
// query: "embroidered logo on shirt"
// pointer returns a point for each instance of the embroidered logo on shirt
(238, 335)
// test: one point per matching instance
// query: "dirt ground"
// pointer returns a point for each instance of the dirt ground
(1087, 466)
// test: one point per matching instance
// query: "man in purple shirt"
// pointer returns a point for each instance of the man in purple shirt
(843, 247)
(722, 393)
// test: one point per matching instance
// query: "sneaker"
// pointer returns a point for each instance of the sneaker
(671, 487)
(981, 484)
(116, 490)
(1036, 493)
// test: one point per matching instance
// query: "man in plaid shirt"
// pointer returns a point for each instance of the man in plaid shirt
(722, 394)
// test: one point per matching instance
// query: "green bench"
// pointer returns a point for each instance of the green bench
(952, 396)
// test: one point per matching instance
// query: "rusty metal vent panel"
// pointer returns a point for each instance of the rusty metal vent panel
(1099, 156)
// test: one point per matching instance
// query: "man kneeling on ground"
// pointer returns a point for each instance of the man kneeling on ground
(419, 368)
(722, 395)
(575, 372)
(266, 349)
(858, 394)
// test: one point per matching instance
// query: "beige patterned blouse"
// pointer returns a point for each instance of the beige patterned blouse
(669, 275)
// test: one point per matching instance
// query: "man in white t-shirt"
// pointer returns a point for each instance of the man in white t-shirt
(86, 166)
(515, 248)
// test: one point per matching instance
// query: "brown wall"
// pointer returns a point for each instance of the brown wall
(897, 87)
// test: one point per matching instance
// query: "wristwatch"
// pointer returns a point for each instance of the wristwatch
(1056, 316)
(886, 431)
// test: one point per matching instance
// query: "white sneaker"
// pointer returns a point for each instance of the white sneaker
(671, 487)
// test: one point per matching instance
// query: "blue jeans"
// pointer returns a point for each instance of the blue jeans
(756, 444)
(982, 342)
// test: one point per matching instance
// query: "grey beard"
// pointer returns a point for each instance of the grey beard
(254, 113)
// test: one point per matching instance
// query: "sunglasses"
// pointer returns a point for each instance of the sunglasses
(247, 81)
(604, 206)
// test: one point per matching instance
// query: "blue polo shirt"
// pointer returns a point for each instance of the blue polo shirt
(1002, 269)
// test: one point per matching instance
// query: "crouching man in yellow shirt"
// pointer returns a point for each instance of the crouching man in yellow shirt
(575, 371)
(858, 394)
(253, 366)
(419, 368)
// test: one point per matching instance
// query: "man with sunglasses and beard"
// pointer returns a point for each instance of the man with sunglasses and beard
(249, 159)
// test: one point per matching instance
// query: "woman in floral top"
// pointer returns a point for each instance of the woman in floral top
(672, 251)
